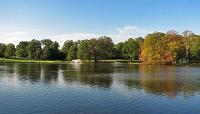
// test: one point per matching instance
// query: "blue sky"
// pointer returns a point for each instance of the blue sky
(79, 19)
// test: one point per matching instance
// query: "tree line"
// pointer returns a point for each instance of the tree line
(155, 48)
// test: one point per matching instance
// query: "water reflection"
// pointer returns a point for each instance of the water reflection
(92, 75)
(166, 80)
(157, 80)
(29, 72)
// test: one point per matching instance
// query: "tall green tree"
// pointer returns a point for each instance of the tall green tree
(195, 48)
(72, 54)
(22, 49)
(187, 41)
(9, 51)
(131, 49)
(66, 47)
(34, 49)
(84, 50)
(50, 51)
(2, 49)
(195, 51)
(93, 48)
(104, 48)
(117, 51)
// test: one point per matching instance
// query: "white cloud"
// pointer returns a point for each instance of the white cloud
(17, 34)
(118, 35)
(122, 34)
(61, 38)
(14, 37)
(127, 29)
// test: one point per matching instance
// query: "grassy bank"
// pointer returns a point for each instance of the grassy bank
(60, 61)
(31, 61)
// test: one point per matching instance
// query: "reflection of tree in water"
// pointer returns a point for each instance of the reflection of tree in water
(28, 71)
(49, 72)
(94, 75)
(37, 72)
(132, 83)
(7, 70)
(163, 80)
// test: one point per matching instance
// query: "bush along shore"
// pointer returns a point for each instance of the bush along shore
(154, 48)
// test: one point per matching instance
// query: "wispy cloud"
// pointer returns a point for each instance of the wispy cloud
(15, 37)
(17, 34)
(129, 31)
(118, 34)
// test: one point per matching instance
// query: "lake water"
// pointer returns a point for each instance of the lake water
(27, 88)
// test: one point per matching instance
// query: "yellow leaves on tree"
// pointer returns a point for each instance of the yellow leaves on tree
(160, 48)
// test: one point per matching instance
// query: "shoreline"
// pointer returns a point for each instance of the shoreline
(84, 62)
(31, 61)
(61, 61)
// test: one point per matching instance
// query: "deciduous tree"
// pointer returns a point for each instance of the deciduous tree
(9, 51)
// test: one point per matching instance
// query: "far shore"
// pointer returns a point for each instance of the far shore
(62, 61)
(14, 60)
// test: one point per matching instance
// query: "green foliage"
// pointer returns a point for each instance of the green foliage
(34, 49)
(50, 50)
(195, 51)
(2, 49)
(84, 50)
(66, 47)
(9, 51)
(22, 50)
(46, 42)
(94, 52)
(131, 49)
(156, 48)
(72, 54)
(104, 48)
(117, 51)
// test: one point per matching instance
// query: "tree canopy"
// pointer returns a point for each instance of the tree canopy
(155, 48)
(9, 51)
(2, 49)
(22, 49)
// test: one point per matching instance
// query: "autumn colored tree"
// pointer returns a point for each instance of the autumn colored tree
(153, 49)
(175, 46)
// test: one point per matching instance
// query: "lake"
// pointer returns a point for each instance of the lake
(36, 88)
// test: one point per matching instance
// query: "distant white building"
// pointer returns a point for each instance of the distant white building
(78, 61)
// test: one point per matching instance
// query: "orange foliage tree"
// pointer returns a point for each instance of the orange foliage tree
(160, 48)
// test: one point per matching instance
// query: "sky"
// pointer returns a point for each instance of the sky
(61, 20)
